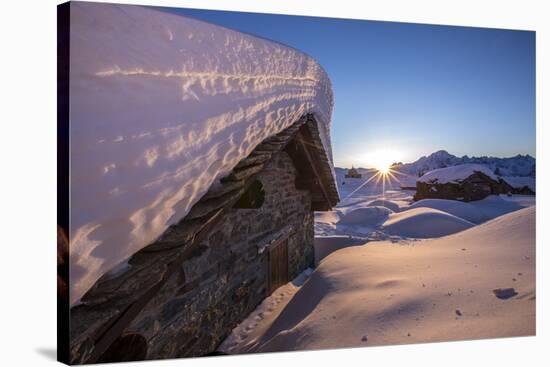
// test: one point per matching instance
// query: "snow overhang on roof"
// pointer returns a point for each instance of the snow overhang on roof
(161, 107)
(455, 174)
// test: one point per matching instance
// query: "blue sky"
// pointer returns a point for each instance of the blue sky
(405, 90)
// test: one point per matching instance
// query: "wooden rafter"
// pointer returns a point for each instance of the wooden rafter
(313, 165)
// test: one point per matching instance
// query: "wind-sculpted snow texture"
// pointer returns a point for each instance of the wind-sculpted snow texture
(161, 107)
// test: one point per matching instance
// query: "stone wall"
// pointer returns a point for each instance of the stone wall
(227, 277)
(475, 187)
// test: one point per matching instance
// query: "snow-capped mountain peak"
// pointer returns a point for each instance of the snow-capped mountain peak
(518, 166)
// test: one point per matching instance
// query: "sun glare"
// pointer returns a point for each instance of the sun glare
(381, 159)
(385, 176)
(383, 168)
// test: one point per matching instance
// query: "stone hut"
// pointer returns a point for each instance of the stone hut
(353, 173)
(466, 182)
(522, 190)
(249, 234)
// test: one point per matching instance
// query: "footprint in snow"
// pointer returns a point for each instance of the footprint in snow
(505, 293)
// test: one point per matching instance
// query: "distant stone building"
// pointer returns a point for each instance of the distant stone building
(522, 190)
(476, 185)
(353, 173)
(251, 233)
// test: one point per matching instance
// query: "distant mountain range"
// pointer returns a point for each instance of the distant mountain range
(518, 166)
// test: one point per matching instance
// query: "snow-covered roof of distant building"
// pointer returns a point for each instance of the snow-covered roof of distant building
(456, 174)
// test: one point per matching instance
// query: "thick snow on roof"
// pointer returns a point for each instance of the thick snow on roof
(456, 173)
(162, 106)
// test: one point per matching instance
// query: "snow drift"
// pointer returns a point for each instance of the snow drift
(424, 223)
(476, 211)
(384, 294)
(367, 216)
(494, 205)
(459, 209)
(161, 107)
(393, 206)
(325, 245)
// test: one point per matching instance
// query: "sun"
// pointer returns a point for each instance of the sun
(381, 160)
(383, 168)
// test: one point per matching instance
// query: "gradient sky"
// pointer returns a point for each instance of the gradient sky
(411, 89)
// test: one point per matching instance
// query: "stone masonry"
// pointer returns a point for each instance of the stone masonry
(184, 293)
(227, 278)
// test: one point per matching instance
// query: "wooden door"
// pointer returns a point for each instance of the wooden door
(278, 265)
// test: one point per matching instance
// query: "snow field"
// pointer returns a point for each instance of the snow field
(440, 289)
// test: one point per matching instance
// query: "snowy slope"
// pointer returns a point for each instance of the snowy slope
(519, 165)
(457, 208)
(384, 294)
(161, 106)
(358, 214)
(455, 173)
(424, 223)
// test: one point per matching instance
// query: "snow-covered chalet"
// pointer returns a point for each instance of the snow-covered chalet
(267, 166)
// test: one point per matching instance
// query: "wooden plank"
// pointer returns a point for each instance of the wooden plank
(304, 146)
(278, 265)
